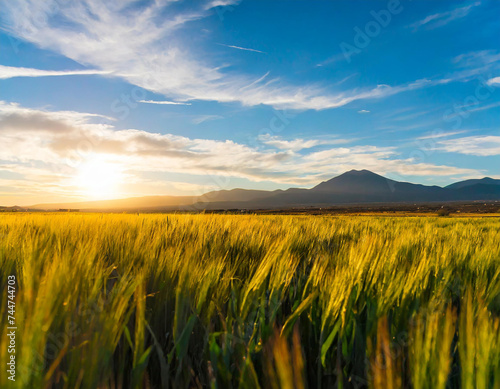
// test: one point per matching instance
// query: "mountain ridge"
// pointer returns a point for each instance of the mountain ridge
(475, 181)
(354, 186)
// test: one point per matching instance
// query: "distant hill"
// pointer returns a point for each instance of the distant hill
(482, 181)
(235, 195)
(16, 208)
(132, 202)
(355, 186)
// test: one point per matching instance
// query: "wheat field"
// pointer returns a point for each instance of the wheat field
(246, 301)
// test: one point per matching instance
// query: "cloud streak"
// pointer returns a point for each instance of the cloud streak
(437, 135)
(166, 102)
(297, 144)
(441, 19)
(241, 48)
(12, 72)
(483, 146)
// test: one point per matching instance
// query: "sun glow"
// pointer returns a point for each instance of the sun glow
(98, 178)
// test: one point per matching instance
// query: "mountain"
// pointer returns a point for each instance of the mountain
(482, 181)
(356, 181)
(477, 189)
(355, 186)
(366, 186)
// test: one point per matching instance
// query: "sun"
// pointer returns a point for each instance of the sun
(98, 178)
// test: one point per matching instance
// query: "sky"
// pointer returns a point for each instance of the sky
(115, 99)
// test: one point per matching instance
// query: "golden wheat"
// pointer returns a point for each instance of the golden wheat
(118, 301)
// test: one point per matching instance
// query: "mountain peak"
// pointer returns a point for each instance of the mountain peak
(355, 180)
(359, 172)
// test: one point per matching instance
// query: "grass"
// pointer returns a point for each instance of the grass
(183, 301)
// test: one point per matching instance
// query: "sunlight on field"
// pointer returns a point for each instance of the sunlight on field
(114, 301)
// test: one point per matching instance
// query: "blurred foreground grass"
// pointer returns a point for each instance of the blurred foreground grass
(181, 301)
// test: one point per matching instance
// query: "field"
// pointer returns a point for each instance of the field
(245, 301)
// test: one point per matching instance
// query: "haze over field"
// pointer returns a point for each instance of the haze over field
(112, 100)
(353, 187)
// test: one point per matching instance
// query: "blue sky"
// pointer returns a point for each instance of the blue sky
(130, 98)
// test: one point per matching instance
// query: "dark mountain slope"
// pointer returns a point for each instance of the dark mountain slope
(482, 181)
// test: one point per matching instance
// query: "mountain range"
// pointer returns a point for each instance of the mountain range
(353, 187)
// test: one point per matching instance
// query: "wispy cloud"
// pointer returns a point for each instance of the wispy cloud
(412, 116)
(150, 55)
(441, 19)
(438, 135)
(297, 144)
(484, 107)
(482, 145)
(50, 140)
(241, 48)
(205, 118)
(363, 111)
(466, 110)
(477, 59)
(11, 72)
(331, 60)
(221, 3)
(165, 102)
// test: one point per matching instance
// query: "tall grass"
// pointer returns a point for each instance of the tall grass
(183, 301)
